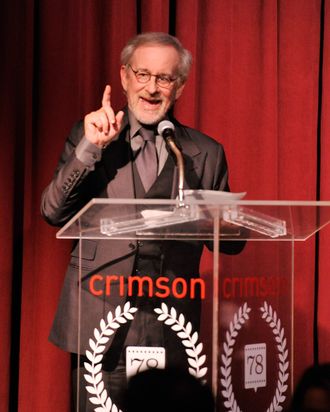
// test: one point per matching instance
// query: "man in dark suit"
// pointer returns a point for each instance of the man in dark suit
(102, 159)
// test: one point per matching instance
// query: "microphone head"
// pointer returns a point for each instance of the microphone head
(165, 125)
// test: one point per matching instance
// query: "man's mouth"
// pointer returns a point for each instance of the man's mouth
(150, 103)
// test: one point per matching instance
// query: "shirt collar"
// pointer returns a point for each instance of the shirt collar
(134, 125)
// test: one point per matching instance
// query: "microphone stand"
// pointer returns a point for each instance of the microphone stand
(180, 164)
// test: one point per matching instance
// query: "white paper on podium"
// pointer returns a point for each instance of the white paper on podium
(212, 196)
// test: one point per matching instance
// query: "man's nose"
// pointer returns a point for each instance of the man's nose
(152, 86)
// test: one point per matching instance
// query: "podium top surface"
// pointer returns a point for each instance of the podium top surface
(197, 219)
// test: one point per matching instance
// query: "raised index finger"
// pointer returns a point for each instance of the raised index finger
(106, 99)
(106, 104)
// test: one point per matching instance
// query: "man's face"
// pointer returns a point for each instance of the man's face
(150, 102)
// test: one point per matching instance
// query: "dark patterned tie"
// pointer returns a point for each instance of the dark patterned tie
(146, 161)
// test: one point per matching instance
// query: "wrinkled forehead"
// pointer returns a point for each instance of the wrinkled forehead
(156, 58)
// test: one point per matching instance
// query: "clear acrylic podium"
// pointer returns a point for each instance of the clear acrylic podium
(243, 345)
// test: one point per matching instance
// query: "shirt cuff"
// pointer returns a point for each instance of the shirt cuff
(88, 153)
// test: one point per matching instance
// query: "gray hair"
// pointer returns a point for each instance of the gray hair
(162, 39)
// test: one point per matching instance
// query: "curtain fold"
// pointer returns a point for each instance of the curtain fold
(324, 167)
(259, 84)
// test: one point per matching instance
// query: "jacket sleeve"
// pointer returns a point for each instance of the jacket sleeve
(66, 193)
(221, 172)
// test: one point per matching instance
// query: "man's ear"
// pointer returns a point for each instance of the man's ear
(179, 91)
(123, 77)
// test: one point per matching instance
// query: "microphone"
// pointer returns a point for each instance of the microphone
(166, 129)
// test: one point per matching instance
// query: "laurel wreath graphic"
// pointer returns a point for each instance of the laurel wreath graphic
(226, 358)
(189, 340)
(94, 378)
(274, 322)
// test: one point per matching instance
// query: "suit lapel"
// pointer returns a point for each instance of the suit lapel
(188, 146)
(193, 160)
(117, 163)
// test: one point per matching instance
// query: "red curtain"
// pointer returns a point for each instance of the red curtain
(260, 84)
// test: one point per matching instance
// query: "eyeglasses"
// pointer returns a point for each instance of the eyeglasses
(143, 76)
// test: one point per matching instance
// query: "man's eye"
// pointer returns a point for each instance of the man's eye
(164, 78)
(143, 75)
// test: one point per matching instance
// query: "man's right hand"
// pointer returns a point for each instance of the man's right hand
(102, 126)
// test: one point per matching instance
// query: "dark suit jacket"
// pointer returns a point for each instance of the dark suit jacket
(73, 185)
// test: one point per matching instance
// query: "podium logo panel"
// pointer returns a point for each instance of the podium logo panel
(252, 360)
(138, 358)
